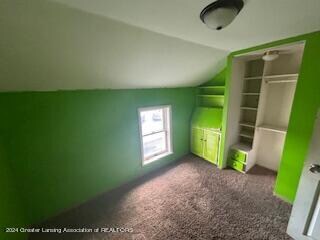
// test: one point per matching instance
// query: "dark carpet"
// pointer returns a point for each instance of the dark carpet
(190, 199)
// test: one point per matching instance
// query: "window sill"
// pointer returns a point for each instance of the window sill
(155, 158)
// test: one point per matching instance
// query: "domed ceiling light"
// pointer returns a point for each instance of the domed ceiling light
(221, 13)
(270, 55)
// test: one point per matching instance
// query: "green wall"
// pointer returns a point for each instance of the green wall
(66, 147)
(305, 106)
(11, 210)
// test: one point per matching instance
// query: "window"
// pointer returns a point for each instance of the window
(155, 132)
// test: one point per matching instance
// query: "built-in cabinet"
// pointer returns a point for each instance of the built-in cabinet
(206, 133)
(205, 143)
(207, 122)
(261, 97)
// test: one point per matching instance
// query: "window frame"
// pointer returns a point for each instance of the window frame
(167, 130)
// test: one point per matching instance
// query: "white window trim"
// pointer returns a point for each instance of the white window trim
(169, 139)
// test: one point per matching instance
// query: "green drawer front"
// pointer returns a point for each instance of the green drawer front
(238, 155)
(237, 165)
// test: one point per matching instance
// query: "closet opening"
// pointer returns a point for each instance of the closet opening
(261, 97)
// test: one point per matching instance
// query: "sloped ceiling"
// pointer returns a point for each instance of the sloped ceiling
(120, 44)
(260, 21)
(47, 46)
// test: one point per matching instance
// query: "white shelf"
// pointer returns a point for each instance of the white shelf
(246, 134)
(242, 147)
(247, 124)
(253, 78)
(272, 128)
(250, 94)
(249, 108)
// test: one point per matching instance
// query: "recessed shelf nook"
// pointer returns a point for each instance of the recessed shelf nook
(260, 104)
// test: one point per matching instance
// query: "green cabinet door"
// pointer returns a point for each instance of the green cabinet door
(211, 146)
(197, 141)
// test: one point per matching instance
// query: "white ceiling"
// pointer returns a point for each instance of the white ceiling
(260, 21)
(117, 44)
(47, 46)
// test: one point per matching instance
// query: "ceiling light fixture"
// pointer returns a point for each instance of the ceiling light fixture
(270, 55)
(221, 13)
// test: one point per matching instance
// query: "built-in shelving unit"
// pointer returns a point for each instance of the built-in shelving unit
(263, 92)
(211, 96)
(250, 93)
(261, 98)
(206, 122)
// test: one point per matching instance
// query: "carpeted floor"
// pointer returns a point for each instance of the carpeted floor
(188, 200)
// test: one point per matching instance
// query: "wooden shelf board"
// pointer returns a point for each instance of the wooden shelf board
(247, 124)
(253, 78)
(209, 95)
(249, 108)
(272, 128)
(246, 134)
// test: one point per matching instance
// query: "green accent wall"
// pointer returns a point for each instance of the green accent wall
(207, 118)
(12, 213)
(67, 147)
(304, 109)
